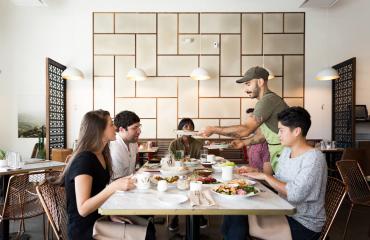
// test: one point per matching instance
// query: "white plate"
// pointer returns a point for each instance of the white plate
(168, 172)
(173, 199)
(186, 133)
(217, 146)
(217, 167)
(218, 158)
(235, 197)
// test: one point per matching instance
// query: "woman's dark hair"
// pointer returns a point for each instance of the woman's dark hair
(90, 138)
(295, 117)
(125, 119)
(249, 110)
(185, 121)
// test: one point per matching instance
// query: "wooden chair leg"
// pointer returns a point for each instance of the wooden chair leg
(347, 222)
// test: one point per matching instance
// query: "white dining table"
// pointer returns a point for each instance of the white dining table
(147, 202)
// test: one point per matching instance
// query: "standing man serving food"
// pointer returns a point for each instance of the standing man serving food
(264, 115)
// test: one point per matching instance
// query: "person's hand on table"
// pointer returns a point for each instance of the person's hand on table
(245, 169)
(237, 144)
(206, 132)
(256, 175)
(123, 183)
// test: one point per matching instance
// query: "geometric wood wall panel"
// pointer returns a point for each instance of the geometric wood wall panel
(188, 23)
(188, 98)
(149, 128)
(276, 85)
(294, 22)
(230, 55)
(274, 63)
(229, 88)
(114, 44)
(293, 76)
(167, 33)
(123, 86)
(157, 87)
(210, 88)
(103, 89)
(219, 23)
(103, 23)
(143, 107)
(167, 118)
(283, 43)
(135, 23)
(176, 65)
(252, 33)
(219, 108)
(168, 46)
(293, 102)
(273, 23)
(104, 66)
(146, 53)
(190, 44)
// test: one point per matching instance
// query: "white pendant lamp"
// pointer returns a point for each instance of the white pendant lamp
(136, 74)
(327, 74)
(200, 74)
(72, 73)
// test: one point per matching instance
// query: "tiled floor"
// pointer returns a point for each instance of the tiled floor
(358, 228)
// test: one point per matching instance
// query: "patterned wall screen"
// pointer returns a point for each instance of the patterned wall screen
(56, 106)
(344, 97)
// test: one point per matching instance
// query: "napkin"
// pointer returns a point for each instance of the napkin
(201, 198)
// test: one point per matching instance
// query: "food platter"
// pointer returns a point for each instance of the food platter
(236, 189)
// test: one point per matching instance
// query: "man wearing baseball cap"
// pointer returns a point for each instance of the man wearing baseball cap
(264, 115)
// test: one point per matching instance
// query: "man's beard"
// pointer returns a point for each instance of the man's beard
(254, 93)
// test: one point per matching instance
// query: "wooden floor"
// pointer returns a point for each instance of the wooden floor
(358, 228)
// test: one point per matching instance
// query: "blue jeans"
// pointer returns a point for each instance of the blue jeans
(300, 232)
(235, 227)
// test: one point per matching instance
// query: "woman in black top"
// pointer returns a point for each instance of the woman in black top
(86, 177)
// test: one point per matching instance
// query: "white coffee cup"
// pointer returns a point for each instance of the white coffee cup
(211, 158)
(227, 173)
(195, 186)
(143, 180)
(162, 185)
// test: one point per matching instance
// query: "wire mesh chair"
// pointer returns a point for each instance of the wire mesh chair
(358, 188)
(335, 193)
(54, 202)
(21, 200)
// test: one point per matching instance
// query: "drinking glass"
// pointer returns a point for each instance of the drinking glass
(179, 154)
(203, 155)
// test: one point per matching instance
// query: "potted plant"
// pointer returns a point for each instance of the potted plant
(3, 160)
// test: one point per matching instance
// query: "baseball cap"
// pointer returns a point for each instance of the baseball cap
(254, 73)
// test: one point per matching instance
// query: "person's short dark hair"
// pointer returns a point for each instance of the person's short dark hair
(249, 110)
(294, 117)
(185, 121)
(125, 119)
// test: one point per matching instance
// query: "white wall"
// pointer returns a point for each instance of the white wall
(63, 32)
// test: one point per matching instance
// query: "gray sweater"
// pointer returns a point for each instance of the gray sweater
(306, 177)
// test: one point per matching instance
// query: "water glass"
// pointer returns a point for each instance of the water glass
(328, 144)
(14, 159)
(179, 154)
(203, 155)
(333, 145)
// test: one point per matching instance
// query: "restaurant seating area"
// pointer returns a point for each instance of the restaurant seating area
(170, 119)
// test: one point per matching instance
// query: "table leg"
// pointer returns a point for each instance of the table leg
(192, 227)
(4, 225)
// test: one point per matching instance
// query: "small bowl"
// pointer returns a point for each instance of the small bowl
(207, 164)
(204, 172)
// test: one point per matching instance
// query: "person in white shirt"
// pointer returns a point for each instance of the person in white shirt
(125, 148)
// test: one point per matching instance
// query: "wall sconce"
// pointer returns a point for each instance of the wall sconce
(199, 74)
(71, 73)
